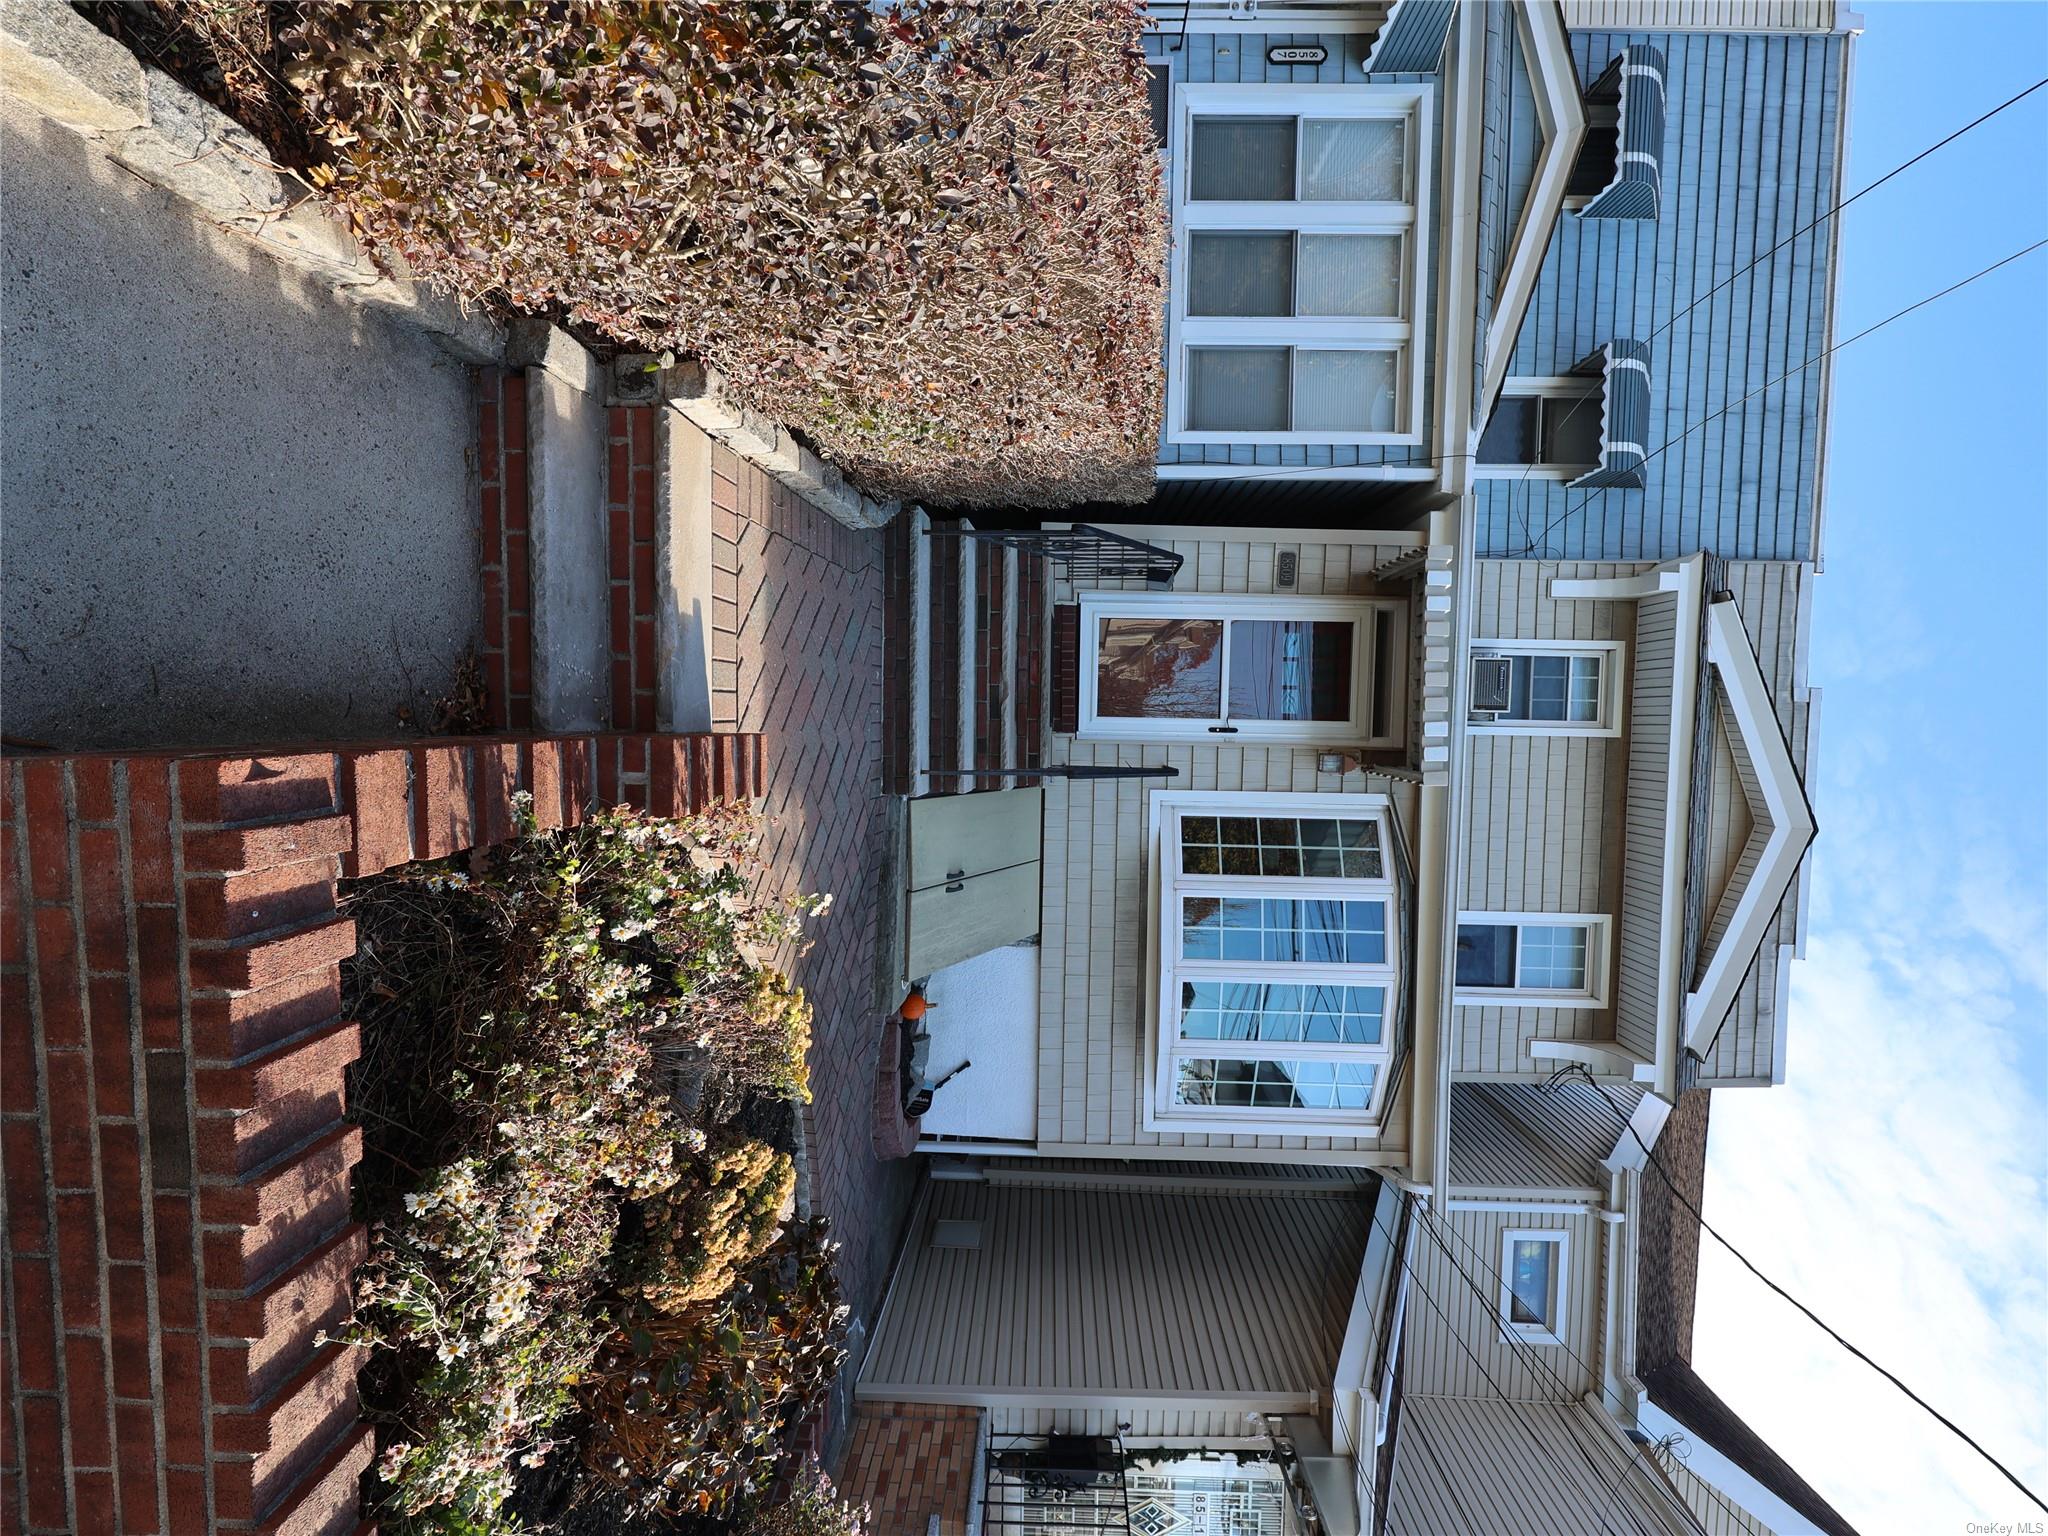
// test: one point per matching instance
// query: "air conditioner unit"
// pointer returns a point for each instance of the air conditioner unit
(1490, 684)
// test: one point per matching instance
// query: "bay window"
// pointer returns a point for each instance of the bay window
(1277, 933)
(1299, 264)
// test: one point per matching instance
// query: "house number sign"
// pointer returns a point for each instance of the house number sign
(1297, 53)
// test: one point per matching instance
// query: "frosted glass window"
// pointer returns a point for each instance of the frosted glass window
(1350, 275)
(1237, 389)
(1345, 391)
(1355, 160)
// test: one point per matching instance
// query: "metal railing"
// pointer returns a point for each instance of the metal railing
(1058, 1483)
(1083, 553)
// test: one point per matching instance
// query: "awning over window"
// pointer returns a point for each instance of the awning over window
(1411, 40)
(1635, 81)
(1624, 367)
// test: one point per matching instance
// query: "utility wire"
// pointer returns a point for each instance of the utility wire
(1277, 472)
(1435, 1224)
(1578, 1069)
(1530, 547)
(1544, 1451)
(1900, 168)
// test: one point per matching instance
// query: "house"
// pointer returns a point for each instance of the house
(1336, 875)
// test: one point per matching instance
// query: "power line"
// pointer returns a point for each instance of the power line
(1812, 1316)
(1542, 533)
(1279, 471)
(1543, 1451)
(1435, 1226)
(1896, 170)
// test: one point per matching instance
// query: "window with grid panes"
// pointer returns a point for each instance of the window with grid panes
(1278, 963)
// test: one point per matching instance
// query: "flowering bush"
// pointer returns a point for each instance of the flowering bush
(526, 1028)
(688, 1407)
(933, 240)
(813, 1508)
(711, 1227)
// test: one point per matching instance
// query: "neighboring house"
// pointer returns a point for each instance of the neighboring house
(1382, 831)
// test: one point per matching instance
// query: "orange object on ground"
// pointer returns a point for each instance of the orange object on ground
(913, 1007)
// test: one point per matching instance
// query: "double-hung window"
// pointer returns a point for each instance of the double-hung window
(1546, 687)
(1532, 960)
(1299, 265)
(1532, 1285)
(1195, 666)
(1278, 945)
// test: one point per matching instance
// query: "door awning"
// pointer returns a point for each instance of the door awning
(1624, 367)
(1411, 39)
(1634, 83)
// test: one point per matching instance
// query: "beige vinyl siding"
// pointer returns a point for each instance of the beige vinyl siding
(1769, 595)
(1093, 1068)
(1439, 1363)
(1105, 1298)
(1649, 778)
(1700, 15)
(1732, 787)
(1482, 1468)
(1543, 814)
(1491, 1149)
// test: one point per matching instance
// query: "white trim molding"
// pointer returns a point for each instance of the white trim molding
(1407, 219)
(1606, 1057)
(1611, 657)
(1170, 968)
(1561, 115)
(1550, 1330)
(1231, 610)
(1599, 961)
(1791, 819)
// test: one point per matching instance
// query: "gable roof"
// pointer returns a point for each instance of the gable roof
(1782, 827)
(1667, 1281)
(1678, 1390)
(1560, 114)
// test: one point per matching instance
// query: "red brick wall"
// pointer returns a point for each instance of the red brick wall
(910, 1461)
(172, 1150)
(629, 508)
(507, 650)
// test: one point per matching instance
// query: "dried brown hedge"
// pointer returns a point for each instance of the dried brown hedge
(930, 239)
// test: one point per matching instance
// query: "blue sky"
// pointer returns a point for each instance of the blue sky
(1898, 1182)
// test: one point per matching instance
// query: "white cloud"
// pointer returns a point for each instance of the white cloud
(1898, 1182)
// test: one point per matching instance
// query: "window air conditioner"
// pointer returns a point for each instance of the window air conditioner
(1490, 683)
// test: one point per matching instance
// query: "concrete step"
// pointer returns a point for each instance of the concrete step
(567, 437)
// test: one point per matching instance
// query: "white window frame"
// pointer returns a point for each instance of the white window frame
(1562, 386)
(1410, 219)
(1360, 612)
(1613, 658)
(1167, 970)
(1599, 928)
(1560, 1279)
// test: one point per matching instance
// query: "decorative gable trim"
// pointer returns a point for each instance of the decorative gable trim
(1561, 114)
(1760, 884)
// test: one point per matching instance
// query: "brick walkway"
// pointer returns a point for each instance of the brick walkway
(797, 655)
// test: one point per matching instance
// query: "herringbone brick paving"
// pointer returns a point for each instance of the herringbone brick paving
(797, 655)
